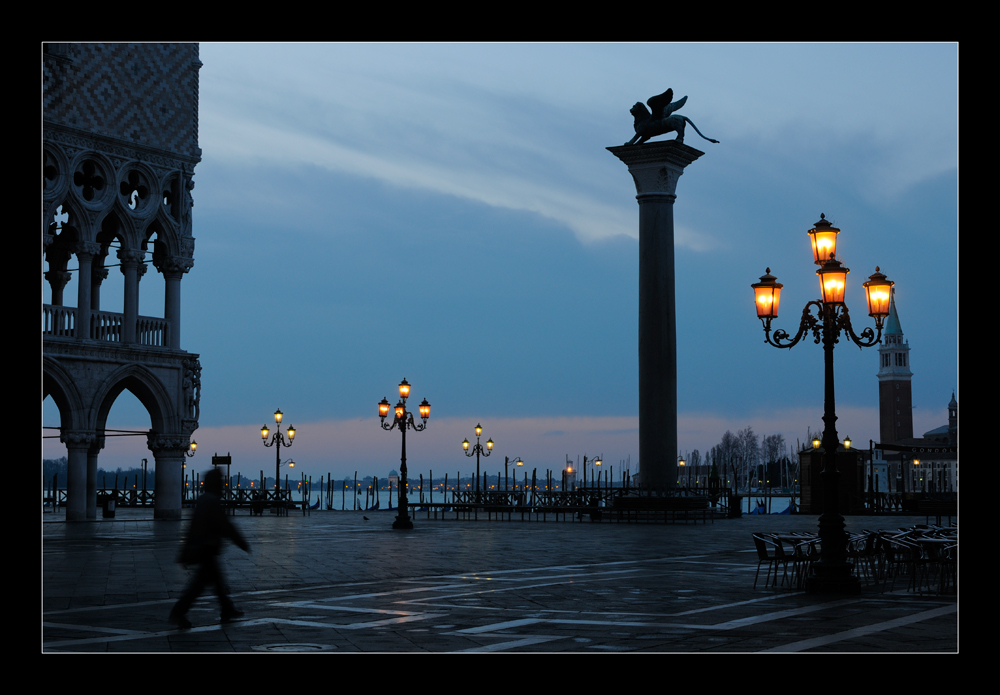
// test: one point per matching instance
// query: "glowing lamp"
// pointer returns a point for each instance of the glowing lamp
(878, 292)
(767, 295)
(400, 410)
(277, 416)
(833, 281)
(291, 464)
(824, 240)
(425, 409)
(404, 389)
(383, 408)
(264, 432)
(479, 430)
(489, 444)
(291, 432)
(194, 447)
(597, 461)
(465, 444)
(682, 461)
(816, 442)
(518, 462)
(847, 442)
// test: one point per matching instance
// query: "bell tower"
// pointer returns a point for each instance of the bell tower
(894, 375)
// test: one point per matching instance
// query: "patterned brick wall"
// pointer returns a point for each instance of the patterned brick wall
(142, 93)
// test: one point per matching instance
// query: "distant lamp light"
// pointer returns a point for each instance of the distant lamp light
(878, 292)
(291, 432)
(847, 442)
(489, 444)
(277, 416)
(767, 295)
(816, 442)
(518, 462)
(264, 432)
(479, 430)
(465, 444)
(291, 464)
(682, 461)
(824, 240)
(597, 461)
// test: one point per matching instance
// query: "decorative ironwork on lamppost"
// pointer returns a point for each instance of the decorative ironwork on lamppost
(832, 573)
(404, 421)
(277, 441)
(476, 451)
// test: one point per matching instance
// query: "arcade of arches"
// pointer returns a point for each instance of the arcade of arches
(117, 177)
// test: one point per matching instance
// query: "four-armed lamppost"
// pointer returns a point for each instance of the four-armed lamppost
(404, 421)
(277, 441)
(477, 450)
(832, 573)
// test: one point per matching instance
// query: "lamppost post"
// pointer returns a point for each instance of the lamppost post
(404, 421)
(278, 441)
(477, 450)
(832, 573)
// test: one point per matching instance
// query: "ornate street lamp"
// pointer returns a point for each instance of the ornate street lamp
(277, 440)
(476, 451)
(832, 573)
(193, 447)
(404, 421)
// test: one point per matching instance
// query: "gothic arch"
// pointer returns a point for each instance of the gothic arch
(58, 383)
(145, 386)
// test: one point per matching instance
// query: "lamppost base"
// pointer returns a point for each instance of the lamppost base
(403, 523)
(835, 579)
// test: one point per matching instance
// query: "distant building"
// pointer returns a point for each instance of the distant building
(901, 461)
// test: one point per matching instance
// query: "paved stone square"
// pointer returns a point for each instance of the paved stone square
(334, 582)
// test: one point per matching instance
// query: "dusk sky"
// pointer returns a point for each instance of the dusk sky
(448, 213)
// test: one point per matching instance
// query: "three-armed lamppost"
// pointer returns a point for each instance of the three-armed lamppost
(832, 574)
(277, 441)
(404, 421)
(477, 450)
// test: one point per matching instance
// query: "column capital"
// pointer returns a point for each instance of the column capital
(656, 166)
(77, 439)
(173, 266)
(130, 258)
(168, 445)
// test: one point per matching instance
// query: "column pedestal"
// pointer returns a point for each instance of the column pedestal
(655, 168)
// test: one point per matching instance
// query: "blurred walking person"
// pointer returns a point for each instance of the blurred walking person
(202, 547)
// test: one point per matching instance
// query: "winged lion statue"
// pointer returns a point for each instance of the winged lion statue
(661, 120)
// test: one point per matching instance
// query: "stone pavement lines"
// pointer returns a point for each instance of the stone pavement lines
(493, 584)
(824, 640)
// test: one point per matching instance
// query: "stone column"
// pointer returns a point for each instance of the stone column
(168, 452)
(92, 453)
(173, 270)
(655, 168)
(77, 445)
(85, 252)
(98, 274)
(130, 259)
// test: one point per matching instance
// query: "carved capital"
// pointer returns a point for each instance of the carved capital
(87, 250)
(656, 167)
(130, 258)
(77, 439)
(173, 266)
(168, 445)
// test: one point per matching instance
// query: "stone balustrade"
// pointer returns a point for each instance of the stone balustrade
(60, 321)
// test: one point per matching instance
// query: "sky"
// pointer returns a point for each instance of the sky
(448, 213)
